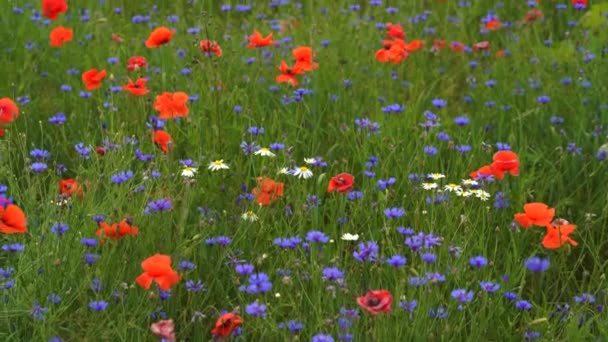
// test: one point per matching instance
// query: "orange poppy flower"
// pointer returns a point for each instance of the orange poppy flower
(117, 230)
(343, 182)
(209, 46)
(559, 236)
(414, 45)
(268, 191)
(500, 53)
(438, 44)
(456, 46)
(505, 161)
(117, 38)
(256, 40)
(289, 74)
(484, 171)
(225, 325)
(60, 35)
(69, 187)
(136, 63)
(493, 24)
(171, 105)
(536, 213)
(12, 220)
(162, 139)
(92, 78)
(393, 51)
(158, 37)
(8, 111)
(138, 88)
(304, 58)
(52, 8)
(395, 31)
(533, 15)
(158, 268)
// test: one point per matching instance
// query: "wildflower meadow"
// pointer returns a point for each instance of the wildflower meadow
(282, 170)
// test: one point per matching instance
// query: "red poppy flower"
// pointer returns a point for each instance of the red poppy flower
(12, 219)
(117, 38)
(136, 63)
(304, 59)
(257, 40)
(117, 230)
(393, 51)
(483, 172)
(538, 214)
(268, 191)
(456, 46)
(289, 74)
(341, 183)
(558, 236)
(209, 46)
(158, 37)
(60, 35)
(395, 31)
(162, 139)
(225, 325)
(52, 8)
(505, 161)
(171, 105)
(8, 111)
(70, 187)
(376, 301)
(92, 78)
(137, 88)
(158, 268)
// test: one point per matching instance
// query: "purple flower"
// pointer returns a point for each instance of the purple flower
(38, 311)
(429, 258)
(161, 204)
(256, 309)
(396, 261)
(462, 295)
(317, 236)
(439, 103)
(99, 305)
(478, 261)
(367, 251)
(462, 120)
(537, 264)
(489, 286)
(394, 213)
(585, 298)
(244, 269)
(332, 273)
(523, 305)
(430, 150)
(322, 338)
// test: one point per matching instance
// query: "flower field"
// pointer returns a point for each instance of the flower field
(285, 170)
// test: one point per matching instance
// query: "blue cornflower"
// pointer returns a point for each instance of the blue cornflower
(161, 204)
(429, 258)
(121, 177)
(288, 243)
(38, 311)
(489, 286)
(396, 261)
(478, 261)
(38, 167)
(383, 184)
(537, 264)
(462, 295)
(430, 150)
(394, 213)
(40, 154)
(193, 286)
(99, 305)
(322, 338)
(13, 247)
(332, 273)
(439, 103)
(83, 150)
(54, 298)
(244, 269)
(256, 309)
(367, 252)
(523, 305)
(585, 298)
(317, 236)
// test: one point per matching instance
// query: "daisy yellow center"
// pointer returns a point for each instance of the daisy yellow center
(250, 213)
(264, 149)
(303, 169)
(218, 162)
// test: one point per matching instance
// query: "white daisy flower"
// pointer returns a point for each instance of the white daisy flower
(249, 216)
(302, 172)
(452, 187)
(189, 171)
(469, 182)
(309, 161)
(482, 195)
(284, 171)
(350, 237)
(436, 176)
(429, 186)
(467, 193)
(218, 165)
(264, 152)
